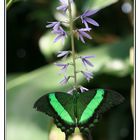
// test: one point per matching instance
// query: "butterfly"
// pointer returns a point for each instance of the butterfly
(81, 110)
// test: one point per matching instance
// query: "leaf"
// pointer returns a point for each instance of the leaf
(13, 76)
(98, 4)
(24, 130)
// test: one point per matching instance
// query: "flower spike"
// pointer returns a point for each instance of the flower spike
(81, 33)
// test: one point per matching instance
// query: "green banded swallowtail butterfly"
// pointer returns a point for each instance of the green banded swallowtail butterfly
(80, 110)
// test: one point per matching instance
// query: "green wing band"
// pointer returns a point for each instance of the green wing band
(64, 115)
(91, 107)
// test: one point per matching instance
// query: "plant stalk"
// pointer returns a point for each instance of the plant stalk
(72, 43)
(9, 4)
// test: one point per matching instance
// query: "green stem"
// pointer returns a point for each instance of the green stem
(9, 4)
(72, 43)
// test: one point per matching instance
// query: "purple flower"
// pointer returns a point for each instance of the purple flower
(64, 5)
(86, 61)
(63, 53)
(61, 34)
(88, 75)
(85, 18)
(54, 25)
(63, 67)
(83, 89)
(65, 80)
(81, 33)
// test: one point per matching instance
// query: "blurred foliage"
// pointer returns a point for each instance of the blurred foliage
(31, 73)
(98, 4)
(113, 61)
(46, 48)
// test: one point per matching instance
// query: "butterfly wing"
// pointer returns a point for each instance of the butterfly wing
(93, 104)
(43, 105)
(82, 103)
(59, 106)
(111, 99)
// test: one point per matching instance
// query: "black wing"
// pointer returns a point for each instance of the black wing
(43, 105)
(110, 99)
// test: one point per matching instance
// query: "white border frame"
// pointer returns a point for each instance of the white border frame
(2, 82)
(137, 66)
(2, 68)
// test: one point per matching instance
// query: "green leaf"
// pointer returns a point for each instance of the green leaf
(98, 4)
(13, 76)
(24, 130)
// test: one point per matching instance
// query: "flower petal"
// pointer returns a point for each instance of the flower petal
(88, 75)
(63, 1)
(61, 34)
(58, 38)
(71, 91)
(90, 56)
(83, 89)
(84, 62)
(86, 24)
(59, 64)
(62, 8)
(90, 12)
(88, 62)
(56, 26)
(91, 21)
(63, 53)
(51, 24)
(85, 29)
(85, 35)
(81, 38)
(64, 81)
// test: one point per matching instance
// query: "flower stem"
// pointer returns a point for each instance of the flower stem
(72, 42)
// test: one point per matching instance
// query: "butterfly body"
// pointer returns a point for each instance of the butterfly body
(80, 110)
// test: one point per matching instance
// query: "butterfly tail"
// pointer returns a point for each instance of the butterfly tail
(66, 137)
(87, 135)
